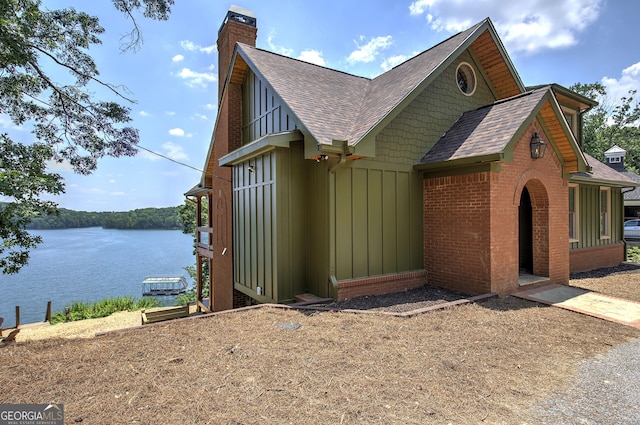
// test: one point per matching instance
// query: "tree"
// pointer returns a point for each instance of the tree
(69, 121)
(605, 126)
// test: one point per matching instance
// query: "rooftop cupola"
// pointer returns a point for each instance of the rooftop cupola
(614, 157)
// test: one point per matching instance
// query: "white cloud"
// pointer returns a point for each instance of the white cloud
(112, 181)
(210, 107)
(368, 52)
(193, 47)
(170, 113)
(201, 116)
(175, 151)
(619, 87)
(117, 193)
(5, 122)
(523, 26)
(145, 114)
(178, 132)
(312, 56)
(278, 49)
(177, 58)
(58, 167)
(194, 79)
(393, 61)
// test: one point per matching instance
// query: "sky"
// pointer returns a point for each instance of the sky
(173, 76)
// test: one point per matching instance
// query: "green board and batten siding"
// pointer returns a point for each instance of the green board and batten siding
(376, 226)
(589, 218)
(296, 223)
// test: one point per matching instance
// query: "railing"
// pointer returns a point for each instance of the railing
(204, 240)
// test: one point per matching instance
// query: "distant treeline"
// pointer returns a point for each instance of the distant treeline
(145, 218)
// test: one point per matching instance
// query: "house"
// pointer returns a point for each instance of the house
(444, 170)
(614, 158)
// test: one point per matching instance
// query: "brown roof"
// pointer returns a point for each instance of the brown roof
(487, 130)
(334, 105)
(602, 172)
(634, 195)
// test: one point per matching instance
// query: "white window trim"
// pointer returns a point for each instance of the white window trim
(576, 213)
(608, 212)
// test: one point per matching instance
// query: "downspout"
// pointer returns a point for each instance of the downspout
(622, 192)
(332, 278)
(334, 167)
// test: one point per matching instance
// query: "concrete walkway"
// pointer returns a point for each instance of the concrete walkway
(583, 301)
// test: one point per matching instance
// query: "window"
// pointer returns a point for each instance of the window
(615, 160)
(466, 79)
(572, 119)
(605, 219)
(573, 213)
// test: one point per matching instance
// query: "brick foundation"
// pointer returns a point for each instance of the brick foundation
(585, 259)
(381, 284)
(241, 299)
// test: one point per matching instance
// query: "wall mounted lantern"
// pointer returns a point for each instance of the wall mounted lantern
(537, 146)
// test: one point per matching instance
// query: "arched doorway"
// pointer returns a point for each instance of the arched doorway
(525, 233)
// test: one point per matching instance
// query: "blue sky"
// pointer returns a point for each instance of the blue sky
(173, 77)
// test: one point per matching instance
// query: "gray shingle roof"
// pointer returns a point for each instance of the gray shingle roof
(334, 105)
(485, 131)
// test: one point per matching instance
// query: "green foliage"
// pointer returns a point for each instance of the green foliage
(83, 310)
(145, 218)
(188, 216)
(633, 254)
(605, 126)
(48, 82)
(23, 178)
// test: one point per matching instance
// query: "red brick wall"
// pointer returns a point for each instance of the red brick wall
(593, 258)
(231, 33)
(227, 137)
(548, 189)
(471, 223)
(380, 284)
(457, 232)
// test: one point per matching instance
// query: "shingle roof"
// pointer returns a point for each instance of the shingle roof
(334, 105)
(634, 195)
(325, 101)
(486, 130)
(603, 172)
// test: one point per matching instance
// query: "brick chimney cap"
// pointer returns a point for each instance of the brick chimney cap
(239, 14)
(241, 11)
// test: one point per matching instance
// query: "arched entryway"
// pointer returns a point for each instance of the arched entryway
(525, 233)
(533, 231)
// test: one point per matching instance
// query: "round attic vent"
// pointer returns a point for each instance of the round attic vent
(466, 79)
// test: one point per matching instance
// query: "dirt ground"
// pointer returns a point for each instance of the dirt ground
(475, 363)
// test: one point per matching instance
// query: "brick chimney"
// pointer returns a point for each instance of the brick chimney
(239, 25)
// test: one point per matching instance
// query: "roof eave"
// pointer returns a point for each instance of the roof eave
(459, 162)
(603, 182)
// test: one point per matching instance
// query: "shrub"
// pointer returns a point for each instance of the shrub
(633, 254)
(103, 308)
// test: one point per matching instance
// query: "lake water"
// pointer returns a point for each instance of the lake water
(91, 264)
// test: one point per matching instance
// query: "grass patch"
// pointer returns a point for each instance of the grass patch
(103, 308)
